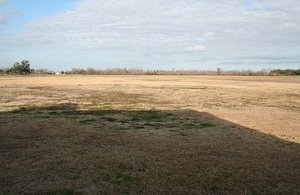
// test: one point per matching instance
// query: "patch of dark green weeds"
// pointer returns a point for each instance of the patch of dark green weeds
(63, 107)
(172, 125)
(87, 121)
(63, 192)
(150, 116)
(206, 125)
(215, 185)
(99, 168)
(100, 113)
(110, 119)
(197, 125)
(82, 152)
(123, 166)
(70, 116)
(152, 124)
(125, 121)
(118, 178)
(121, 179)
(214, 188)
(139, 127)
(118, 128)
(76, 177)
(284, 143)
(232, 126)
(54, 113)
(24, 111)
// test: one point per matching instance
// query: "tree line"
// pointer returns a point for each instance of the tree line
(23, 68)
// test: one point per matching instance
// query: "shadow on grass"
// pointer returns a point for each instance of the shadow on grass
(63, 150)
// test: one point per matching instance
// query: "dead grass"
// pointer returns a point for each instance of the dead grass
(149, 135)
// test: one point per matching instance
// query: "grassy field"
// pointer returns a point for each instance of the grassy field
(149, 135)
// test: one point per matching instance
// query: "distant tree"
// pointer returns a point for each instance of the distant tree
(43, 71)
(286, 72)
(219, 71)
(78, 71)
(90, 71)
(22, 67)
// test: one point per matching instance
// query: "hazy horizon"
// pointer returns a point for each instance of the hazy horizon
(161, 34)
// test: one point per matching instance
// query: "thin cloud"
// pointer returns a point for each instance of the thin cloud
(4, 16)
(166, 27)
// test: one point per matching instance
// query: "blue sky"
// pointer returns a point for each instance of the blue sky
(156, 34)
(24, 11)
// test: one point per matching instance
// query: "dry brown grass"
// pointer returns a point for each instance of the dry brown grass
(149, 135)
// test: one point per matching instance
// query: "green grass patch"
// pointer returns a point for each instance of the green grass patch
(121, 179)
(82, 152)
(117, 128)
(63, 192)
(138, 127)
(284, 143)
(87, 121)
(150, 116)
(152, 124)
(125, 121)
(24, 110)
(197, 125)
(70, 116)
(76, 177)
(110, 119)
(205, 125)
(99, 168)
(54, 113)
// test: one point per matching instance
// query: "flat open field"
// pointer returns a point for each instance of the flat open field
(149, 135)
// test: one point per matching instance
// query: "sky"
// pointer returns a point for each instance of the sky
(156, 34)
